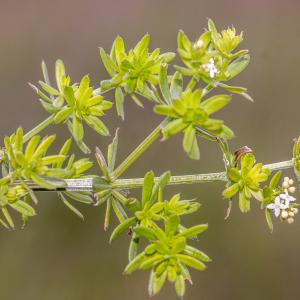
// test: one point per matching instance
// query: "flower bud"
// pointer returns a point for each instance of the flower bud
(291, 182)
(290, 220)
(291, 214)
(285, 184)
(292, 189)
(295, 210)
(284, 214)
(286, 179)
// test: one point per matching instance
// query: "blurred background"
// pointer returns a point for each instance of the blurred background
(57, 256)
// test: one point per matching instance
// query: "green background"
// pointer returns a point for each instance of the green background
(57, 256)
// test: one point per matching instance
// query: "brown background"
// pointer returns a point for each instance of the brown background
(59, 257)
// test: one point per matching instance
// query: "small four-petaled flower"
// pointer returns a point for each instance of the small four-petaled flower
(277, 206)
(211, 68)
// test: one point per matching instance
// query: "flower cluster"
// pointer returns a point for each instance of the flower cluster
(283, 205)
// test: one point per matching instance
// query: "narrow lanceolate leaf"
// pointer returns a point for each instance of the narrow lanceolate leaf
(160, 185)
(191, 251)
(107, 213)
(97, 125)
(23, 208)
(135, 263)
(215, 103)
(188, 140)
(119, 211)
(69, 96)
(133, 247)
(77, 129)
(180, 286)
(102, 163)
(163, 83)
(238, 65)
(122, 227)
(42, 182)
(71, 207)
(191, 262)
(8, 217)
(147, 187)
(146, 232)
(119, 96)
(176, 85)
(231, 191)
(106, 62)
(269, 219)
(158, 282)
(193, 231)
(112, 152)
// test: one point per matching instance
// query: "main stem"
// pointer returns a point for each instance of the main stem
(86, 184)
(38, 128)
(146, 143)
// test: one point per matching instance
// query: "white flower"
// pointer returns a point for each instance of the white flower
(211, 68)
(287, 198)
(277, 206)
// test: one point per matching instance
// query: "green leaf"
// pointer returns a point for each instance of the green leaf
(102, 163)
(133, 247)
(191, 262)
(59, 72)
(63, 114)
(176, 85)
(238, 65)
(77, 129)
(189, 137)
(275, 180)
(171, 224)
(135, 263)
(142, 46)
(147, 187)
(119, 211)
(193, 231)
(163, 83)
(180, 286)
(157, 283)
(42, 182)
(233, 174)
(43, 146)
(69, 96)
(269, 219)
(19, 139)
(244, 202)
(122, 227)
(80, 197)
(173, 128)
(191, 251)
(8, 217)
(97, 125)
(215, 103)
(107, 62)
(146, 232)
(112, 152)
(119, 96)
(48, 89)
(71, 207)
(231, 191)
(23, 208)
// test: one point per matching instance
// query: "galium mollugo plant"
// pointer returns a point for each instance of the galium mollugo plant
(188, 96)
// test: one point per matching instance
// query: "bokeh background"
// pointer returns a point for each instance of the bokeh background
(57, 256)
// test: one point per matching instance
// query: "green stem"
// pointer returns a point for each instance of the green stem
(145, 144)
(192, 83)
(86, 184)
(38, 128)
